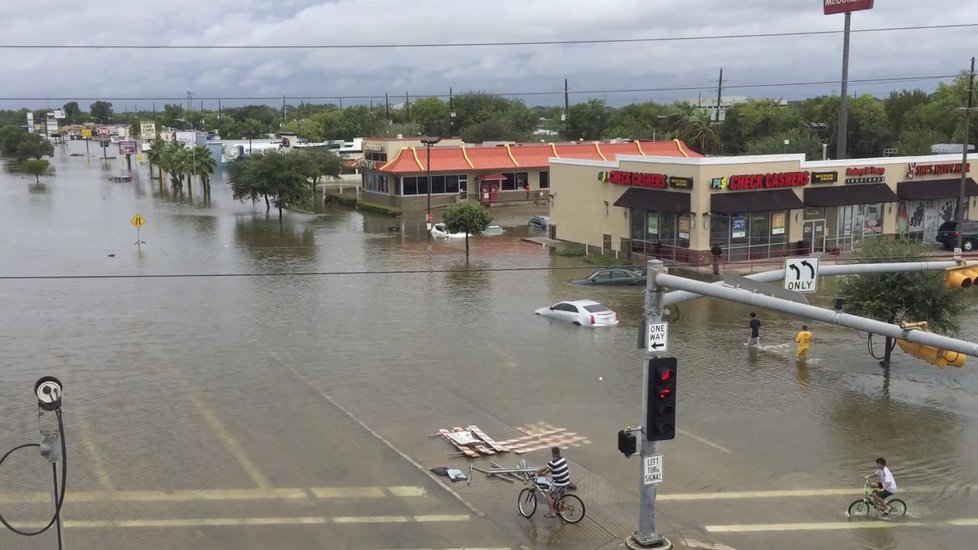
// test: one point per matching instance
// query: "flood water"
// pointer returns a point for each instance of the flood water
(224, 308)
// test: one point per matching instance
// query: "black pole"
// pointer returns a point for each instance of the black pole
(964, 153)
(427, 166)
(719, 91)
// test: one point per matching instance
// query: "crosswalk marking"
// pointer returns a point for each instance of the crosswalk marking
(238, 522)
(822, 526)
(784, 493)
(405, 491)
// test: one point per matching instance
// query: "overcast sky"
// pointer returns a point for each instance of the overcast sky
(115, 74)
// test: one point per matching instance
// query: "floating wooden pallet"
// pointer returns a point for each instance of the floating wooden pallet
(478, 446)
(464, 449)
(498, 447)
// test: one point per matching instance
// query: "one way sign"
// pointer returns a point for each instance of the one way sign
(658, 338)
(801, 274)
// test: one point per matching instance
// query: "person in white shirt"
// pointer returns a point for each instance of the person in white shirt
(885, 488)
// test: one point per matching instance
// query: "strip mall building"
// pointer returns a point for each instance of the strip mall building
(395, 171)
(752, 207)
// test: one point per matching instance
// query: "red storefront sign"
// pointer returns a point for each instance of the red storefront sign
(832, 7)
(768, 181)
(914, 169)
(867, 171)
(635, 179)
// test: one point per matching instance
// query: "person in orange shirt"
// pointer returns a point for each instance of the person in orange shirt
(804, 340)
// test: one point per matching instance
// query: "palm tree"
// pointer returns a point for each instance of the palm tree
(205, 166)
(155, 154)
(701, 133)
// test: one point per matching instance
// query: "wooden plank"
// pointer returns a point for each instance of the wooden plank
(509, 442)
(489, 441)
(465, 450)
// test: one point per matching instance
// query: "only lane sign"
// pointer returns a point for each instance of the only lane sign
(801, 274)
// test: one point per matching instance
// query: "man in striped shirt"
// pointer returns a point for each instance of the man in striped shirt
(559, 479)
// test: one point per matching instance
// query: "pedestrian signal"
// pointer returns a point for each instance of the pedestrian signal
(961, 276)
(660, 420)
(627, 443)
(934, 356)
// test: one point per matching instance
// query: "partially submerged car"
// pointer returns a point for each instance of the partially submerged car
(613, 276)
(539, 222)
(585, 313)
(440, 230)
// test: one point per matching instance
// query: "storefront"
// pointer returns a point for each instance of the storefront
(395, 170)
(752, 208)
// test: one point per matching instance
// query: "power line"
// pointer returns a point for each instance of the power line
(466, 44)
(502, 94)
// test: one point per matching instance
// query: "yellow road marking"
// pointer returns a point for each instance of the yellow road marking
(232, 444)
(100, 472)
(235, 522)
(704, 441)
(217, 494)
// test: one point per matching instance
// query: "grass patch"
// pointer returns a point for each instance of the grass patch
(365, 206)
(605, 260)
(571, 252)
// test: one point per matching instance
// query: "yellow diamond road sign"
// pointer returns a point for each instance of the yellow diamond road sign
(137, 221)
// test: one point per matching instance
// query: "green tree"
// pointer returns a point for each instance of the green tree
(467, 216)
(204, 166)
(33, 146)
(101, 112)
(73, 114)
(587, 120)
(318, 163)
(900, 297)
(917, 141)
(272, 175)
(868, 126)
(800, 140)
(899, 104)
(489, 130)
(432, 115)
(637, 121)
(36, 168)
(754, 120)
(251, 129)
(10, 138)
(701, 133)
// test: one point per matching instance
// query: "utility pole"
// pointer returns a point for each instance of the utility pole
(566, 115)
(190, 98)
(407, 107)
(964, 152)
(840, 146)
(645, 535)
(451, 114)
(387, 108)
(719, 91)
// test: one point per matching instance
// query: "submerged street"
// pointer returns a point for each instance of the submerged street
(208, 407)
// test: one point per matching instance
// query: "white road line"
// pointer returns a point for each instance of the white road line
(824, 526)
(704, 441)
(232, 444)
(787, 493)
(100, 472)
(217, 495)
(239, 522)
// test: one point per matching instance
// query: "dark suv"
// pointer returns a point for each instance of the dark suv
(947, 235)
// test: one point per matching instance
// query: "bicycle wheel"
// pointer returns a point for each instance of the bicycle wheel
(898, 507)
(571, 508)
(527, 502)
(859, 508)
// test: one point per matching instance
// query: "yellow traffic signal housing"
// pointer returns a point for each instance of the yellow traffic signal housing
(961, 276)
(934, 356)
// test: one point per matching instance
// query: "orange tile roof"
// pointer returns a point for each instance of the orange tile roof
(525, 156)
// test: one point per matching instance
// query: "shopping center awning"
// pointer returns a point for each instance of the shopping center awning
(864, 193)
(754, 201)
(654, 200)
(935, 189)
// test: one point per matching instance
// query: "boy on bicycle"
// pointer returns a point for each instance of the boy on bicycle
(886, 487)
(560, 479)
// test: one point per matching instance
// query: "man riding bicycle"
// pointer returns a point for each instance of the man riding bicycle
(560, 479)
(886, 486)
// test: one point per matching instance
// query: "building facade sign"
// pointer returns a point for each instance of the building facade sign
(775, 180)
(677, 182)
(831, 7)
(634, 179)
(915, 170)
(825, 177)
(869, 174)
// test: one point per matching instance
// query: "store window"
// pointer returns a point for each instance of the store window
(544, 180)
(376, 182)
(750, 235)
(515, 181)
(440, 184)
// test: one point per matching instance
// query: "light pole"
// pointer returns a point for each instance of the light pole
(964, 151)
(428, 141)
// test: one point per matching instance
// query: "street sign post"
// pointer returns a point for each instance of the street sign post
(137, 221)
(658, 338)
(801, 274)
(652, 473)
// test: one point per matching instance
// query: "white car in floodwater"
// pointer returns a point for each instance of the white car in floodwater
(441, 231)
(585, 313)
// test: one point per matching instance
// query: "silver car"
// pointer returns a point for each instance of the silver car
(587, 313)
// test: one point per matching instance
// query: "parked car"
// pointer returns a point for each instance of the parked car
(539, 222)
(493, 230)
(587, 313)
(947, 235)
(613, 276)
(441, 231)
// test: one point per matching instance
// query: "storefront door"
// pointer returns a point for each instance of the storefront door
(813, 233)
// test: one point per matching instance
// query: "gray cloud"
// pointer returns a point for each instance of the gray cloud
(40, 73)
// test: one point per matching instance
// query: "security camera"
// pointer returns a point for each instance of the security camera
(48, 390)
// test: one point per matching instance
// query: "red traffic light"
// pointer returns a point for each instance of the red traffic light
(666, 375)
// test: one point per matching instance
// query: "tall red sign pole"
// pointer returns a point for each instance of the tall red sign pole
(832, 7)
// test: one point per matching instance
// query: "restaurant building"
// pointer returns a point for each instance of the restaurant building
(395, 171)
(752, 207)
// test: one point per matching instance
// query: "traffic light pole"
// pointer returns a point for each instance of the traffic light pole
(816, 313)
(646, 535)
